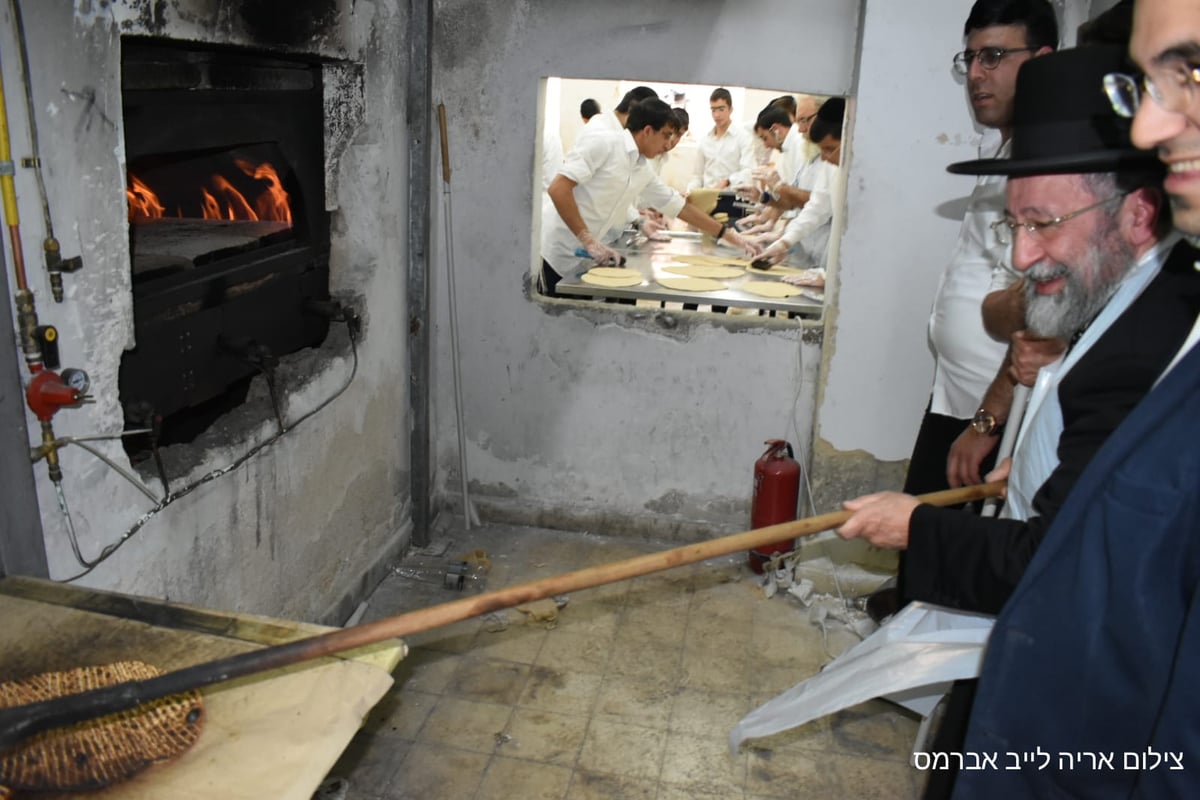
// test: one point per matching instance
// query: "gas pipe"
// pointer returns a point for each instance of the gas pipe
(776, 492)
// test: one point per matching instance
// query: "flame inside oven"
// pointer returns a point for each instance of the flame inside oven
(257, 194)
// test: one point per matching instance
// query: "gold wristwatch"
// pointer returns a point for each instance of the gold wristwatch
(984, 422)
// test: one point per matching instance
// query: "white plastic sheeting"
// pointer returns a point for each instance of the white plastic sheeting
(911, 660)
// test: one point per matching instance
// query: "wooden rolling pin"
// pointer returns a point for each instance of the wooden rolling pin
(19, 722)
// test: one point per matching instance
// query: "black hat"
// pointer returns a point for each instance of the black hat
(1062, 119)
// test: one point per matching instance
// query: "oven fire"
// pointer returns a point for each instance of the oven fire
(224, 202)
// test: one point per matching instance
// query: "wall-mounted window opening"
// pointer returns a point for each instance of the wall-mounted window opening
(740, 155)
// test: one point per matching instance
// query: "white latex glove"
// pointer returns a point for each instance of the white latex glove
(776, 252)
(763, 229)
(599, 252)
(767, 177)
(750, 192)
(655, 230)
(734, 238)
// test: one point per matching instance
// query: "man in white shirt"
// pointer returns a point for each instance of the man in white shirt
(604, 122)
(806, 236)
(774, 128)
(1001, 35)
(725, 156)
(600, 178)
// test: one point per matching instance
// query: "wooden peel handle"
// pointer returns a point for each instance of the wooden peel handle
(445, 143)
(20, 722)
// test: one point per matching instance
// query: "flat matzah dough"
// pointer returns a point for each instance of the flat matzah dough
(612, 272)
(778, 269)
(707, 271)
(630, 279)
(711, 260)
(770, 289)
(691, 284)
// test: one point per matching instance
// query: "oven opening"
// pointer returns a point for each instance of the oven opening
(228, 233)
(189, 209)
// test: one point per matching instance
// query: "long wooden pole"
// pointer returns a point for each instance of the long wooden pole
(20, 722)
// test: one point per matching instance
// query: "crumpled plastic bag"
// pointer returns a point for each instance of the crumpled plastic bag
(912, 661)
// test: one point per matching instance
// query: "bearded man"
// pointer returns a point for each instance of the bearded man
(1089, 235)
(1084, 216)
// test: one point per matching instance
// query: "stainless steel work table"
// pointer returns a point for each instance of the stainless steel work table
(650, 258)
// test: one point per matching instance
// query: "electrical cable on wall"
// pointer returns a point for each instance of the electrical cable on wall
(163, 502)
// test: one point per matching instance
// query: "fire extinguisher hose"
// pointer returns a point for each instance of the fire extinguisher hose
(20, 722)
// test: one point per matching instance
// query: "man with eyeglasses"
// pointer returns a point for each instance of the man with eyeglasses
(1083, 220)
(1098, 649)
(1001, 35)
(970, 384)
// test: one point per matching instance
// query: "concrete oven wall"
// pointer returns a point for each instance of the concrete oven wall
(608, 419)
(296, 529)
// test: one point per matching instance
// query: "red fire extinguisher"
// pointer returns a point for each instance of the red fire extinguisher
(776, 492)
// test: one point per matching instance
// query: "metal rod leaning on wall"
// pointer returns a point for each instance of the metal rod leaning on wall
(20, 722)
(455, 356)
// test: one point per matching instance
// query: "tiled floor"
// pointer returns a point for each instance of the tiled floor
(630, 695)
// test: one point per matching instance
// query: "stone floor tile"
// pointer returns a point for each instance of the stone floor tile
(705, 713)
(566, 650)
(630, 751)
(431, 770)
(703, 765)
(509, 778)
(466, 724)
(597, 786)
(558, 690)
(646, 701)
(488, 680)
(426, 670)
(400, 713)
(546, 736)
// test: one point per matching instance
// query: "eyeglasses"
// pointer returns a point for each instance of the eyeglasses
(805, 120)
(989, 57)
(1173, 94)
(1006, 229)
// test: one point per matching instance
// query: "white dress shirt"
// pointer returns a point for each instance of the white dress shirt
(609, 174)
(967, 357)
(807, 233)
(729, 156)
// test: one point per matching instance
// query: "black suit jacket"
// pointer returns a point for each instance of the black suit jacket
(973, 563)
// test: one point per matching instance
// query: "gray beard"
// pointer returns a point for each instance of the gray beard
(1063, 315)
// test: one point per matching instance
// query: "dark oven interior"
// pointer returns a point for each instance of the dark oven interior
(229, 236)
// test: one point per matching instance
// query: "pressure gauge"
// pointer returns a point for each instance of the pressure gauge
(77, 379)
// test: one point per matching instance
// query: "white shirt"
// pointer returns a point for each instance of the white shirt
(791, 158)
(1035, 455)
(552, 155)
(604, 122)
(609, 174)
(967, 358)
(807, 233)
(729, 156)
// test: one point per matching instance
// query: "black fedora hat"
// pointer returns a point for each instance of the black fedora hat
(1062, 120)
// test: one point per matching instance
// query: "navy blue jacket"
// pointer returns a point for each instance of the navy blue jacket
(1098, 649)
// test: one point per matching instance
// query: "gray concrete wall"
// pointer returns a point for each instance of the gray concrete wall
(295, 529)
(609, 419)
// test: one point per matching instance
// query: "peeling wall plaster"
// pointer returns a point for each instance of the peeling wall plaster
(295, 529)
